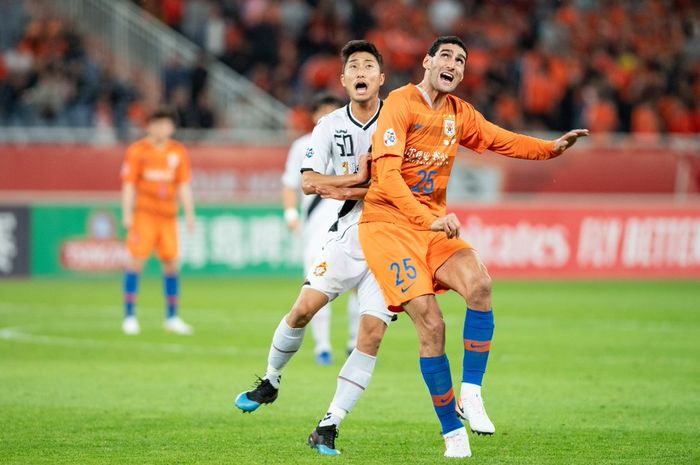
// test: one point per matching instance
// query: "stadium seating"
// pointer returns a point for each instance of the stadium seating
(628, 66)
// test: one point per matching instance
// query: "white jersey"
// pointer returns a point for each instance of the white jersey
(339, 140)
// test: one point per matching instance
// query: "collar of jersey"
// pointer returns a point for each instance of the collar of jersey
(371, 120)
(425, 95)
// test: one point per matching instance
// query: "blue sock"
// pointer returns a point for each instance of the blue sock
(170, 283)
(436, 373)
(478, 332)
(131, 288)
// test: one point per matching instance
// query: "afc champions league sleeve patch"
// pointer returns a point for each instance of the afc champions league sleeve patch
(390, 137)
(309, 152)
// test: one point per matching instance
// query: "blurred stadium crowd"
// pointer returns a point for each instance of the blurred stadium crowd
(626, 66)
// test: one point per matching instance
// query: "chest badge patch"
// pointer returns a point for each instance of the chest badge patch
(449, 126)
(173, 161)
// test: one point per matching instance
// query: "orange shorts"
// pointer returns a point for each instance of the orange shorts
(149, 232)
(404, 260)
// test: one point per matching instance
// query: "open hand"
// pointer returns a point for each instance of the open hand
(568, 139)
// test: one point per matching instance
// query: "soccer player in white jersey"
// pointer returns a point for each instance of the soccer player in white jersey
(342, 138)
(317, 216)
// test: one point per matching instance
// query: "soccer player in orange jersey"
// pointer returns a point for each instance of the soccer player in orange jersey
(155, 173)
(413, 247)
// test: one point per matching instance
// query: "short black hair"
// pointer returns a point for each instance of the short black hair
(446, 40)
(163, 113)
(325, 98)
(355, 46)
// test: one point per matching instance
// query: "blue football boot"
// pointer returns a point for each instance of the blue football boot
(323, 440)
(324, 358)
(264, 393)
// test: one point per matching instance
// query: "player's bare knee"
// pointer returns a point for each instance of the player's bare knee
(433, 332)
(135, 265)
(170, 267)
(479, 293)
(371, 334)
(300, 316)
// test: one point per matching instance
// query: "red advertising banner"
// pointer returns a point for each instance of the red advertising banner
(584, 242)
(242, 173)
(252, 174)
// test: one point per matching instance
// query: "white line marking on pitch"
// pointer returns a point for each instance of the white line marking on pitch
(17, 335)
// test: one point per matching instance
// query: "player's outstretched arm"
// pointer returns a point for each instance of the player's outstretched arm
(567, 140)
(311, 180)
(481, 134)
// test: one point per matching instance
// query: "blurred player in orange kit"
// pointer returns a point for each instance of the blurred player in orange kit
(155, 173)
(412, 245)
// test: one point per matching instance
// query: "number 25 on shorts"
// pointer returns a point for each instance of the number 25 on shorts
(407, 272)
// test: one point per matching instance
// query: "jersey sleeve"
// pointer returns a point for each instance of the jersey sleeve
(292, 176)
(318, 153)
(392, 126)
(396, 191)
(480, 134)
(131, 166)
(183, 173)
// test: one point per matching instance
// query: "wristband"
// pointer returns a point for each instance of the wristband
(291, 215)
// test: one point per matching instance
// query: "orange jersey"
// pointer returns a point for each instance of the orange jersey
(413, 152)
(156, 174)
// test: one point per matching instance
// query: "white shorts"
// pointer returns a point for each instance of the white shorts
(315, 231)
(341, 267)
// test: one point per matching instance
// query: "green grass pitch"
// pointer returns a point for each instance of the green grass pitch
(580, 373)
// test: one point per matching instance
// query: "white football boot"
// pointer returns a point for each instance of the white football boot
(177, 326)
(471, 408)
(131, 326)
(457, 444)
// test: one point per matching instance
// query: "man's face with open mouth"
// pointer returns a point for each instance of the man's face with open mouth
(362, 77)
(446, 68)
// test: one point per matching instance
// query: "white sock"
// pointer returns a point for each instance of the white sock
(352, 382)
(285, 343)
(321, 329)
(334, 416)
(353, 319)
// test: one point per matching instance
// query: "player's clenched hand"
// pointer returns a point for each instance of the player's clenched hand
(448, 223)
(293, 225)
(568, 139)
(363, 168)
